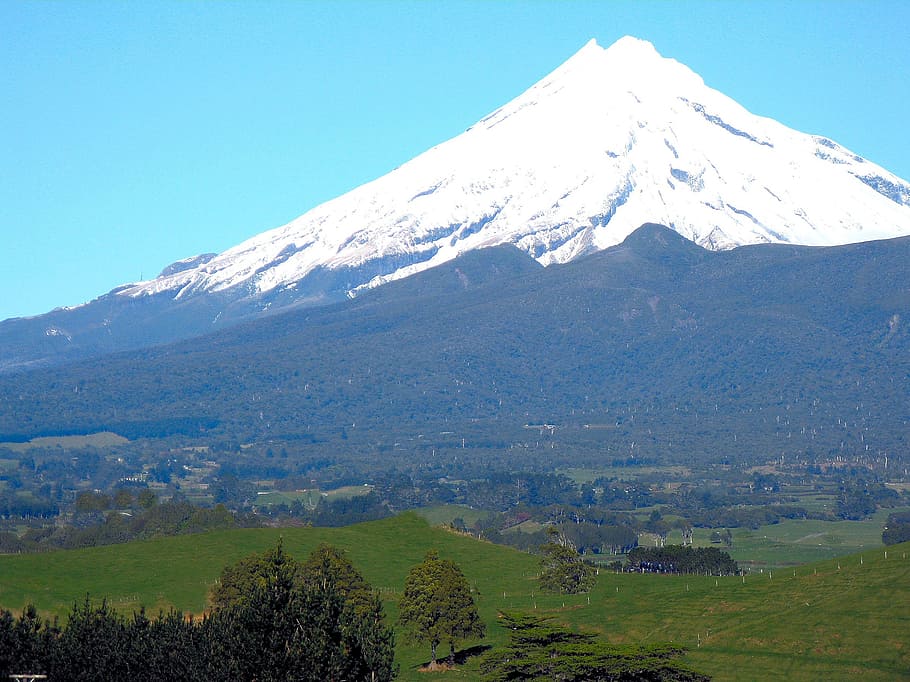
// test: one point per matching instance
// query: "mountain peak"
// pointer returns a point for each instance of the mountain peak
(591, 46)
(660, 243)
(611, 139)
(627, 47)
(630, 64)
(630, 45)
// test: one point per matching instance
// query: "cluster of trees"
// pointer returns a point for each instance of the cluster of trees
(680, 559)
(347, 510)
(599, 530)
(122, 498)
(591, 530)
(14, 503)
(858, 498)
(341, 511)
(540, 650)
(897, 528)
(618, 494)
(600, 539)
(747, 517)
(316, 620)
(274, 619)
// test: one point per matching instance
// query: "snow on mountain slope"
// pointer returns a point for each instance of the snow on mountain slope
(611, 139)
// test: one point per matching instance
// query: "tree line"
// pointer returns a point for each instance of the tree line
(680, 559)
(101, 520)
(897, 528)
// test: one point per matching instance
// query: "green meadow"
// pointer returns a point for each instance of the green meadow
(833, 619)
(793, 542)
(99, 440)
(797, 541)
(444, 514)
(310, 497)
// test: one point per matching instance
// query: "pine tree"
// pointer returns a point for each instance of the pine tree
(279, 619)
(540, 650)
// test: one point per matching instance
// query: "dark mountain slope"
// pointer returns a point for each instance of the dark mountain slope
(759, 350)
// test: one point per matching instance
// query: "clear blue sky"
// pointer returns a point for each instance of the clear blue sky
(136, 134)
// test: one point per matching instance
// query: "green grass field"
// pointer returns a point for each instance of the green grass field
(309, 497)
(798, 541)
(101, 439)
(444, 514)
(793, 542)
(835, 619)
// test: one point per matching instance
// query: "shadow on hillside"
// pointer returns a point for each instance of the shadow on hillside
(461, 657)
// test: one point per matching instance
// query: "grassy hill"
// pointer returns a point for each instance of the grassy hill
(834, 619)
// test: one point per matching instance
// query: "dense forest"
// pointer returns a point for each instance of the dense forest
(656, 349)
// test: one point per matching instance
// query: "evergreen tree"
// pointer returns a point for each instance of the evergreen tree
(540, 650)
(328, 569)
(281, 620)
(171, 649)
(27, 643)
(368, 645)
(240, 580)
(92, 646)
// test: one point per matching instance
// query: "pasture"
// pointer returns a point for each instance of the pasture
(832, 619)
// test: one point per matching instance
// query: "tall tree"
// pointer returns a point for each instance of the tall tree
(369, 646)
(94, 644)
(328, 569)
(438, 606)
(25, 642)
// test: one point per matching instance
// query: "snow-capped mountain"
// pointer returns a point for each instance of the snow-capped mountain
(611, 139)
